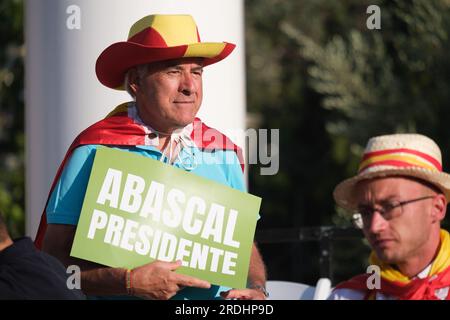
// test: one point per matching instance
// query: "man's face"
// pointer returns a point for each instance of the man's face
(403, 237)
(170, 94)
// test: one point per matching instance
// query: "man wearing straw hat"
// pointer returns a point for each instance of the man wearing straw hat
(161, 66)
(399, 198)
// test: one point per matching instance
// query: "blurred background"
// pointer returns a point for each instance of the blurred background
(315, 71)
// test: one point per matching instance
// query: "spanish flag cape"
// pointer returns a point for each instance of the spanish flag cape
(120, 130)
(394, 283)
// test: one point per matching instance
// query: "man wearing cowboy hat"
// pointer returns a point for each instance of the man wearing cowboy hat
(161, 66)
(399, 198)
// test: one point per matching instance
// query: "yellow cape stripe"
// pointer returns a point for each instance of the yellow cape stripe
(120, 108)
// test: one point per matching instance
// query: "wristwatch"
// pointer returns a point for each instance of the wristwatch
(260, 288)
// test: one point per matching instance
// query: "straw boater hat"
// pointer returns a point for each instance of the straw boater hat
(156, 38)
(412, 155)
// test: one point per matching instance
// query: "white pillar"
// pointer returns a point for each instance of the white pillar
(63, 95)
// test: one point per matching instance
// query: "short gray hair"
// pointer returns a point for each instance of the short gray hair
(141, 70)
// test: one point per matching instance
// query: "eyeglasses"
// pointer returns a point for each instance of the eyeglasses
(388, 210)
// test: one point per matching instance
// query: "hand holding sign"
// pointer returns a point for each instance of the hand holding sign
(138, 210)
(157, 280)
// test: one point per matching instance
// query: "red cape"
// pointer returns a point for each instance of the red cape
(120, 130)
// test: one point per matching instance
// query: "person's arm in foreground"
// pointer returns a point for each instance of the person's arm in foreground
(256, 280)
(156, 280)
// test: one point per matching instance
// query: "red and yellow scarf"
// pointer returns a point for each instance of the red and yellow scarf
(394, 283)
(120, 130)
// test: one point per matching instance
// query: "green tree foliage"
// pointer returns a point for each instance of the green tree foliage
(12, 137)
(329, 83)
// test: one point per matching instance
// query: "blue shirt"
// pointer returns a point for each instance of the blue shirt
(66, 200)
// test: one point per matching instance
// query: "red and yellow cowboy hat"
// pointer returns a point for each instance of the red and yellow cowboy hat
(156, 38)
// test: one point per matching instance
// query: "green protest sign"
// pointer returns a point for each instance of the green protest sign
(137, 210)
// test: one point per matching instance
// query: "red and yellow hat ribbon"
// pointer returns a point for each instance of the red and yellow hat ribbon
(401, 158)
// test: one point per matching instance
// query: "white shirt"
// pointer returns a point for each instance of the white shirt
(181, 137)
